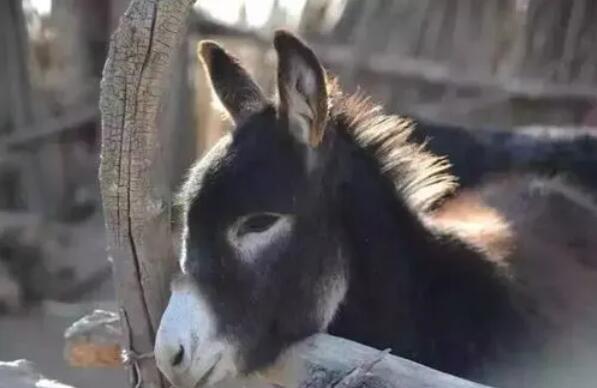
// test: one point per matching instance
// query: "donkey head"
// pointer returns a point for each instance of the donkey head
(260, 257)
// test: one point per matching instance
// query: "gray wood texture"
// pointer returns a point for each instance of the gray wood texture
(133, 176)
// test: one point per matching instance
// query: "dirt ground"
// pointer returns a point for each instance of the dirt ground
(37, 334)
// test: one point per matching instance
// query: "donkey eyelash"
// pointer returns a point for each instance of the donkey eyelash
(257, 223)
(250, 234)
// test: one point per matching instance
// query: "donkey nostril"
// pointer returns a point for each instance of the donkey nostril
(178, 356)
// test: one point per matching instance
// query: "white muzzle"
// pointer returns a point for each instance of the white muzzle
(187, 348)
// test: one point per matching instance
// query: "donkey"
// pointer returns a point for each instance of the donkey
(317, 213)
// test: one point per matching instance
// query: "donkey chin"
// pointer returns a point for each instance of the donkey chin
(187, 349)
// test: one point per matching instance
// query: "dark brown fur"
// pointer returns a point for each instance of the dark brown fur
(486, 285)
(542, 232)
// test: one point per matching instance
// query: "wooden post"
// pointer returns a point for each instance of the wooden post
(17, 105)
(133, 176)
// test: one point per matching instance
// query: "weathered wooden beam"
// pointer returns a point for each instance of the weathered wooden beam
(37, 134)
(327, 361)
(319, 361)
(18, 219)
(387, 64)
(133, 176)
(16, 107)
(391, 65)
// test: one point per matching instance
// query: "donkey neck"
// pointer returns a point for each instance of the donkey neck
(411, 288)
(384, 240)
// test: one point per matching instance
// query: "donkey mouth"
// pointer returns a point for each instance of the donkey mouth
(205, 379)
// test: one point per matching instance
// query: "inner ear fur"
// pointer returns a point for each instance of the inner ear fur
(301, 88)
(235, 88)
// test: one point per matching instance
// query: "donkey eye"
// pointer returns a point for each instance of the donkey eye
(257, 223)
(253, 233)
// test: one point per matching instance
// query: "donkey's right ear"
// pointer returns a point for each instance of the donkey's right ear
(235, 88)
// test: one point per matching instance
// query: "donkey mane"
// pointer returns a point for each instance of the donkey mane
(420, 178)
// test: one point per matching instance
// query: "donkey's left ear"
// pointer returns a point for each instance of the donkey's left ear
(301, 88)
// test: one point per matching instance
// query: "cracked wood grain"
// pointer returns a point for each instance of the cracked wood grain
(135, 191)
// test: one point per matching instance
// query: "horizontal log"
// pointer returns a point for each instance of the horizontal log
(31, 137)
(393, 65)
(323, 360)
(320, 361)
(390, 65)
(18, 219)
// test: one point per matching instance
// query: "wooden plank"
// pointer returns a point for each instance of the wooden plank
(18, 219)
(390, 65)
(321, 360)
(327, 361)
(36, 135)
(340, 56)
(17, 106)
(573, 30)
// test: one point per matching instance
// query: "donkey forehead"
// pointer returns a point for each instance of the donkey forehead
(257, 168)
